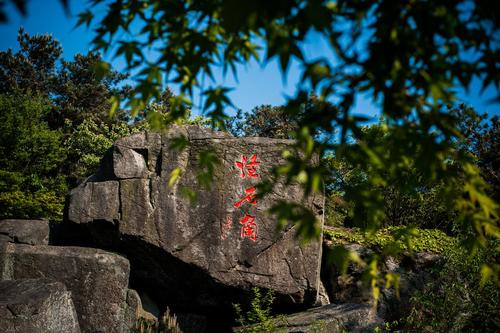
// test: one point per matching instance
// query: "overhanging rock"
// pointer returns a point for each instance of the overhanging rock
(202, 252)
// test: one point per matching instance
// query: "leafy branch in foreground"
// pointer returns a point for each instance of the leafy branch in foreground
(430, 45)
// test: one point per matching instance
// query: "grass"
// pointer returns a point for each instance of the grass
(406, 239)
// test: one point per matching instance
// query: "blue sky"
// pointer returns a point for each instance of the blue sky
(255, 86)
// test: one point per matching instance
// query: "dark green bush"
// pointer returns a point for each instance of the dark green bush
(423, 240)
(31, 157)
(455, 300)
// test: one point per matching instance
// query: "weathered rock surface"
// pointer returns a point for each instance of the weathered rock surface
(134, 310)
(197, 255)
(414, 273)
(97, 279)
(36, 306)
(32, 232)
(332, 318)
(323, 298)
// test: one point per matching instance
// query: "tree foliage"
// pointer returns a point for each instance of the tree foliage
(88, 143)
(75, 90)
(264, 120)
(481, 137)
(31, 160)
(270, 121)
(33, 67)
(80, 93)
(407, 197)
(55, 124)
(408, 56)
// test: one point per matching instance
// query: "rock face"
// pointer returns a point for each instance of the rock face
(414, 272)
(200, 253)
(332, 318)
(32, 232)
(134, 311)
(36, 306)
(97, 279)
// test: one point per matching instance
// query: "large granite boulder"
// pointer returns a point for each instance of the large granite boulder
(98, 280)
(32, 232)
(207, 252)
(36, 306)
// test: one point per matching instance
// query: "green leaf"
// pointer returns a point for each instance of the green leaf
(486, 274)
(179, 143)
(115, 103)
(84, 17)
(174, 176)
(101, 69)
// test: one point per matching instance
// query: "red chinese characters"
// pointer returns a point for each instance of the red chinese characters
(226, 227)
(250, 197)
(249, 228)
(250, 166)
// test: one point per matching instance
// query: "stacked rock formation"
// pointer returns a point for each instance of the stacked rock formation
(130, 226)
(200, 251)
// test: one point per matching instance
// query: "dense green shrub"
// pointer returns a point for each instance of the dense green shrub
(455, 301)
(428, 240)
(31, 157)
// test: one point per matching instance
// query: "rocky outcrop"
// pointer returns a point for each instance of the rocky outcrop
(413, 271)
(36, 306)
(97, 279)
(203, 254)
(135, 312)
(32, 232)
(133, 308)
(332, 318)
